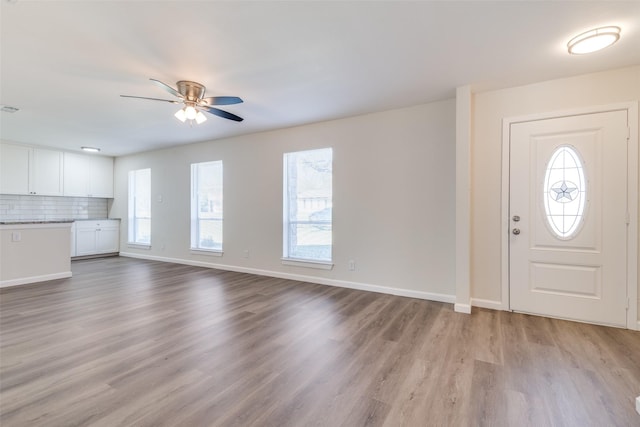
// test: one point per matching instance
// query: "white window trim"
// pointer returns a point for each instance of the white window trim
(207, 252)
(138, 246)
(320, 265)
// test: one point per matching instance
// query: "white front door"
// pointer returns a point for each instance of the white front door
(568, 217)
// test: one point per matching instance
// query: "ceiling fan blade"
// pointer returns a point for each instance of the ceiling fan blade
(221, 113)
(152, 99)
(168, 88)
(222, 100)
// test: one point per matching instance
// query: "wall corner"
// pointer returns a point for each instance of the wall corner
(463, 199)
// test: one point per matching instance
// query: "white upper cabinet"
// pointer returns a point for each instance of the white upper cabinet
(14, 169)
(101, 177)
(88, 176)
(46, 173)
(75, 175)
(29, 170)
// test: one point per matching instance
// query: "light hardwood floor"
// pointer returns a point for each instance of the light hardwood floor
(132, 342)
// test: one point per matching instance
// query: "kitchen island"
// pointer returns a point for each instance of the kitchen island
(34, 251)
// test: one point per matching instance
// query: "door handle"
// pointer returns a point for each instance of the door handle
(516, 231)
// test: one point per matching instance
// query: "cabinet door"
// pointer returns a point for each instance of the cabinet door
(86, 241)
(14, 169)
(108, 240)
(101, 177)
(88, 176)
(46, 174)
(75, 175)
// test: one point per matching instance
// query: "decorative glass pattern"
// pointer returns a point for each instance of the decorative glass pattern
(564, 192)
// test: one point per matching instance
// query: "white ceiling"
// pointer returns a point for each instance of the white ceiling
(65, 63)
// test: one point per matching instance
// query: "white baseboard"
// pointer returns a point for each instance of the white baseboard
(34, 279)
(462, 308)
(430, 296)
(486, 303)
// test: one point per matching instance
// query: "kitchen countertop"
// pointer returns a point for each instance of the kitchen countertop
(95, 219)
(44, 221)
(50, 221)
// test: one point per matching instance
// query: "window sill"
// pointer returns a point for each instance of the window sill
(206, 252)
(138, 246)
(320, 265)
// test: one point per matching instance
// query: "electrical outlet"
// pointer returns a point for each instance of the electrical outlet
(16, 236)
(352, 265)
(245, 253)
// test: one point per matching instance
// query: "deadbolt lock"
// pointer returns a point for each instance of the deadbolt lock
(516, 218)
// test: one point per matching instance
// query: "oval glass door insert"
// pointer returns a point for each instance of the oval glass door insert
(564, 192)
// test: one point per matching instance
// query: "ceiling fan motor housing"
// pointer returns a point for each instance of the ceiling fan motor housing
(191, 91)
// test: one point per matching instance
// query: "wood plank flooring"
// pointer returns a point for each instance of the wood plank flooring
(131, 342)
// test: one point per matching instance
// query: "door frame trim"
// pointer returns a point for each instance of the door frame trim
(632, 198)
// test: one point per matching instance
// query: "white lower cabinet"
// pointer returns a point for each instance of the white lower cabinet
(97, 237)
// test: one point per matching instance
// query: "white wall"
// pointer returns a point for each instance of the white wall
(394, 200)
(489, 109)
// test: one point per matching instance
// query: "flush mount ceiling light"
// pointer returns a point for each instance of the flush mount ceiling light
(91, 149)
(593, 40)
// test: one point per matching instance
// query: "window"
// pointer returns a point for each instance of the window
(140, 207)
(564, 192)
(206, 206)
(308, 205)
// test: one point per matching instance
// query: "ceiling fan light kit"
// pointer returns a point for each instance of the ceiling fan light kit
(190, 113)
(181, 115)
(200, 118)
(191, 94)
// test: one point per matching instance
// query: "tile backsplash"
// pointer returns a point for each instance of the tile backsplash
(18, 207)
